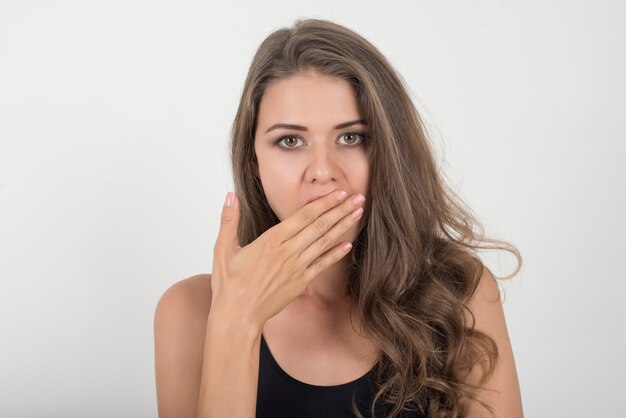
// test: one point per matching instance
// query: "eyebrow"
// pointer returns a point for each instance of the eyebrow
(303, 128)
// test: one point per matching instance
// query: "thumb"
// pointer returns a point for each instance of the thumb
(227, 236)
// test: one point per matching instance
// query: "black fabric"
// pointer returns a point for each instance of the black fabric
(280, 395)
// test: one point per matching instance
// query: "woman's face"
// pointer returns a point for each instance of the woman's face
(296, 164)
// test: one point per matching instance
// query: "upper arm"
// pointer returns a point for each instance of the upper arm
(506, 401)
(179, 331)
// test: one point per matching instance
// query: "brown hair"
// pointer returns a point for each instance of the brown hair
(413, 264)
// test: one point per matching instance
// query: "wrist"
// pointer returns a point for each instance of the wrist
(228, 321)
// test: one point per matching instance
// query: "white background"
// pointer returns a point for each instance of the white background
(114, 120)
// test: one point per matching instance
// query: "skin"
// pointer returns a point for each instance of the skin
(319, 162)
(312, 162)
(314, 327)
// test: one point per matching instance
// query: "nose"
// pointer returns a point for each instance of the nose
(322, 164)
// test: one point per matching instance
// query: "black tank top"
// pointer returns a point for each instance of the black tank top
(280, 395)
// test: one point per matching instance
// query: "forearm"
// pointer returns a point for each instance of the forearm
(230, 369)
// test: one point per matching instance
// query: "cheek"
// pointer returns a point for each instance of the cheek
(360, 171)
(280, 186)
(278, 175)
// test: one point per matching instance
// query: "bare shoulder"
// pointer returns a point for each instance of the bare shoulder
(487, 292)
(197, 283)
(502, 389)
(191, 295)
(184, 307)
(180, 320)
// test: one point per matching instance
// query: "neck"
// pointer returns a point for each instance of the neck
(329, 288)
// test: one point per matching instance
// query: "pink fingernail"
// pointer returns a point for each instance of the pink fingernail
(358, 199)
(230, 197)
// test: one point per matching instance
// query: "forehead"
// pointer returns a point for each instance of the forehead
(309, 99)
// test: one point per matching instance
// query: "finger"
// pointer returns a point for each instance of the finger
(305, 216)
(315, 234)
(323, 262)
(328, 239)
(226, 241)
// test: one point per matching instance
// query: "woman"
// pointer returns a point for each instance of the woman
(293, 322)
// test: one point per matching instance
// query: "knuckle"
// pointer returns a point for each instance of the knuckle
(270, 250)
(304, 278)
(272, 243)
(319, 266)
(277, 251)
(270, 239)
(292, 266)
(323, 242)
(281, 254)
(306, 216)
(320, 225)
(226, 219)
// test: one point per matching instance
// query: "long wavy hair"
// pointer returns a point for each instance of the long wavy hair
(413, 266)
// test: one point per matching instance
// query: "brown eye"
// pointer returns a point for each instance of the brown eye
(351, 135)
(352, 141)
(290, 141)
(351, 138)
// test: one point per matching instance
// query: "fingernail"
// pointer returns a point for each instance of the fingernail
(341, 195)
(357, 213)
(230, 197)
(358, 199)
